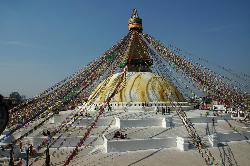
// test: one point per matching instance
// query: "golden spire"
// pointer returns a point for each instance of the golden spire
(135, 22)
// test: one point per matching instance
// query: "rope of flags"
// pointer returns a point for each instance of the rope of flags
(196, 139)
(43, 104)
(214, 85)
(101, 110)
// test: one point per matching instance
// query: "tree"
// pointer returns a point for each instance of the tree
(1, 98)
(23, 97)
(16, 96)
(4, 115)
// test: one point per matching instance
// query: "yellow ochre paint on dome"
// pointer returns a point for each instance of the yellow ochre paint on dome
(139, 87)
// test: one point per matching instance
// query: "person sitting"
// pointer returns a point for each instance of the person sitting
(123, 136)
(117, 134)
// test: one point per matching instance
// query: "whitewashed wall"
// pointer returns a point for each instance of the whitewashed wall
(69, 142)
(228, 137)
(140, 144)
(141, 122)
(100, 122)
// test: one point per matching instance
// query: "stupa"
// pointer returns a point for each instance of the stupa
(145, 120)
(141, 86)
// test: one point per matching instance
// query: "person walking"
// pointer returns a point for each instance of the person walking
(11, 163)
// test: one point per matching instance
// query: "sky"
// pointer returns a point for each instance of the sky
(42, 42)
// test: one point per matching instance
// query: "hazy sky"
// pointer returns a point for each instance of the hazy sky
(42, 42)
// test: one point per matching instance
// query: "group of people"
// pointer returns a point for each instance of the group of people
(163, 110)
(119, 134)
(17, 160)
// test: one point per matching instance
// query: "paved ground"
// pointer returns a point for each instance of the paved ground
(233, 153)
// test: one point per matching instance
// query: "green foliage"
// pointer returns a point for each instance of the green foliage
(16, 96)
